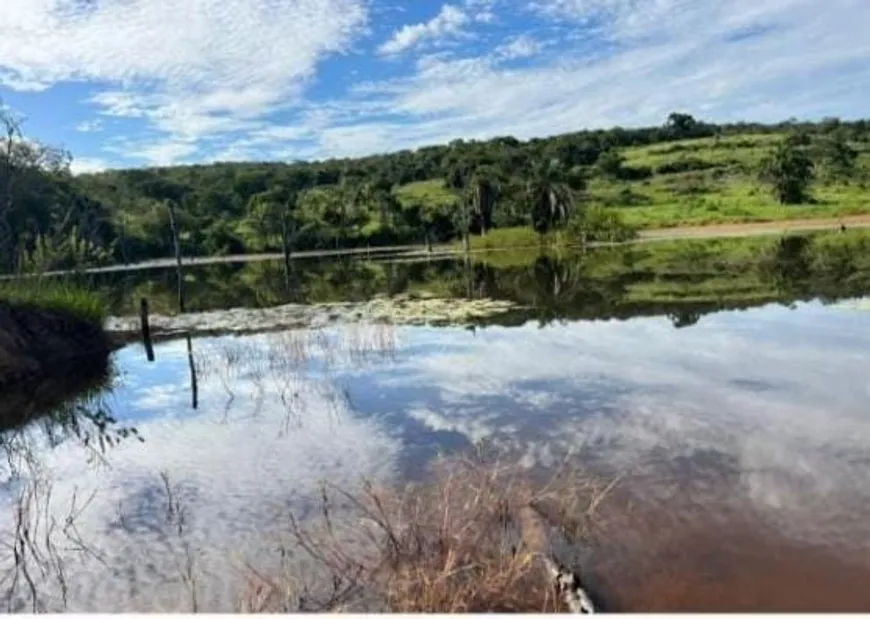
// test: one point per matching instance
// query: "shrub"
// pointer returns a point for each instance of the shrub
(687, 164)
(599, 223)
(635, 173)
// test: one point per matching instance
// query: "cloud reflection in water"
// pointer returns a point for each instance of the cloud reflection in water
(770, 407)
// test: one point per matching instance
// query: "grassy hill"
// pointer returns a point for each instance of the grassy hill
(723, 188)
(596, 184)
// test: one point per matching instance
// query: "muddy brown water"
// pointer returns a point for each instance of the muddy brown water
(690, 554)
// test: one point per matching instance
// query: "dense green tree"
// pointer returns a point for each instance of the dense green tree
(48, 216)
(457, 180)
(610, 163)
(680, 125)
(789, 171)
(836, 157)
(46, 220)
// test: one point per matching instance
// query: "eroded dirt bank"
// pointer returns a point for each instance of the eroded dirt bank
(36, 342)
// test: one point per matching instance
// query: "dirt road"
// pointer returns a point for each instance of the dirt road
(754, 228)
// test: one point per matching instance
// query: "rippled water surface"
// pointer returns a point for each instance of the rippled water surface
(743, 441)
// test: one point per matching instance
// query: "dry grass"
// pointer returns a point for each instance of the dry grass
(457, 543)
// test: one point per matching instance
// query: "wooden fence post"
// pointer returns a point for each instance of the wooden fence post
(146, 330)
(194, 388)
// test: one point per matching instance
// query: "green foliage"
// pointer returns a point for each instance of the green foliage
(62, 252)
(680, 125)
(685, 171)
(837, 158)
(789, 171)
(55, 294)
(610, 163)
(551, 192)
(512, 238)
(44, 216)
(600, 224)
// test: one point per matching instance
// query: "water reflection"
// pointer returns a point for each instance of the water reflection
(70, 406)
(170, 523)
(745, 429)
(757, 417)
(683, 283)
(28, 400)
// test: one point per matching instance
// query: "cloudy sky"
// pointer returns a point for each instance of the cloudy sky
(153, 82)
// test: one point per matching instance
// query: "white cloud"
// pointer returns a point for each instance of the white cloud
(449, 21)
(214, 66)
(482, 11)
(164, 153)
(632, 63)
(88, 165)
(522, 46)
(90, 126)
(230, 79)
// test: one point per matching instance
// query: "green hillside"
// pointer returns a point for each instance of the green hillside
(723, 187)
(588, 184)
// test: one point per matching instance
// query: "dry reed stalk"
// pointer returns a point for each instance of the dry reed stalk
(456, 544)
(36, 548)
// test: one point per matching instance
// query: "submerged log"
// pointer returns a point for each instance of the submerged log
(565, 581)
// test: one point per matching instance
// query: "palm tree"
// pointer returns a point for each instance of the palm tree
(483, 196)
(457, 181)
(550, 195)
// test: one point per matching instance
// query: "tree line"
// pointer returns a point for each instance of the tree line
(50, 218)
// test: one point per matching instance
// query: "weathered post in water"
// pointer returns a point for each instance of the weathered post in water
(176, 241)
(194, 388)
(146, 330)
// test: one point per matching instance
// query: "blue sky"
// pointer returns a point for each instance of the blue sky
(153, 82)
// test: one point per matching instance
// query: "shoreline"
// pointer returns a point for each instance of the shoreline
(648, 235)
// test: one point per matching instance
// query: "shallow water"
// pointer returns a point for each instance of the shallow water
(742, 441)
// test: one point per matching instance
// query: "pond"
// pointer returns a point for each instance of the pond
(740, 435)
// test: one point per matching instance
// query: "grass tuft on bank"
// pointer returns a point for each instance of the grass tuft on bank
(57, 295)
